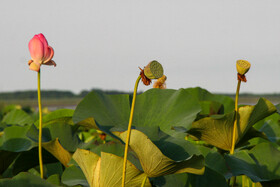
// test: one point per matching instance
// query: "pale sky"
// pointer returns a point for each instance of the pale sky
(100, 44)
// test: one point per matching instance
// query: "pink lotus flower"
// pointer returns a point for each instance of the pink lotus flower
(41, 52)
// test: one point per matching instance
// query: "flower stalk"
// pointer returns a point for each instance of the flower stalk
(40, 127)
(153, 70)
(41, 54)
(242, 67)
(129, 129)
(236, 116)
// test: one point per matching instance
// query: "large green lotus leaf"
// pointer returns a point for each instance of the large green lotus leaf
(209, 108)
(214, 160)
(203, 95)
(25, 180)
(247, 142)
(154, 108)
(107, 110)
(271, 127)
(57, 116)
(218, 131)
(18, 117)
(209, 178)
(154, 163)
(166, 109)
(260, 163)
(14, 139)
(177, 149)
(64, 132)
(107, 170)
(73, 176)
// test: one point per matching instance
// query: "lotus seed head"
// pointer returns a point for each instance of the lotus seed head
(242, 66)
(153, 70)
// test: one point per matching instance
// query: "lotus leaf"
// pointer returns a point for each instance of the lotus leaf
(154, 163)
(164, 109)
(218, 103)
(73, 176)
(57, 116)
(218, 131)
(17, 117)
(271, 127)
(107, 170)
(14, 139)
(25, 180)
(262, 163)
(55, 148)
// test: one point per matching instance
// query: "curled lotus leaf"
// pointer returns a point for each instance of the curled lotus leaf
(107, 170)
(218, 131)
(155, 163)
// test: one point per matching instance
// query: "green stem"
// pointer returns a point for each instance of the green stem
(144, 181)
(40, 126)
(235, 119)
(235, 125)
(129, 130)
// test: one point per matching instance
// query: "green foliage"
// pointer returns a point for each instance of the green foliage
(260, 163)
(95, 131)
(218, 131)
(25, 180)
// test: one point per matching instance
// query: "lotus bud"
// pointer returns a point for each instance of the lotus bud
(153, 70)
(242, 66)
(41, 52)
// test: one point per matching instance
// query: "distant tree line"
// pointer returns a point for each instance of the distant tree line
(57, 94)
(52, 94)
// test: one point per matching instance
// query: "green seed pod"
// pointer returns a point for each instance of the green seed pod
(242, 66)
(153, 70)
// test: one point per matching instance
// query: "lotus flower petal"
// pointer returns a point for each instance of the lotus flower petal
(49, 54)
(36, 49)
(35, 66)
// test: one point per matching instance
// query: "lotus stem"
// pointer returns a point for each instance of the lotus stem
(40, 127)
(243, 180)
(235, 119)
(144, 181)
(235, 125)
(129, 130)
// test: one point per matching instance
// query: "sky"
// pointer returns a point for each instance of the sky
(101, 44)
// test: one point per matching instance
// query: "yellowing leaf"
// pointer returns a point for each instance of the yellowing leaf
(218, 131)
(106, 170)
(88, 123)
(111, 172)
(55, 148)
(87, 161)
(154, 163)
